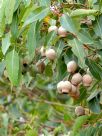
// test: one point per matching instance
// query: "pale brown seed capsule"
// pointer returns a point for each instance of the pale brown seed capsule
(73, 91)
(76, 79)
(40, 66)
(79, 111)
(66, 87)
(59, 86)
(77, 95)
(53, 28)
(62, 32)
(71, 66)
(51, 54)
(87, 80)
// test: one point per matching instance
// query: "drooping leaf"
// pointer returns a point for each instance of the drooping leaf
(9, 9)
(78, 50)
(12, 66)
(38, 14)
(6, 43)
(31, 39)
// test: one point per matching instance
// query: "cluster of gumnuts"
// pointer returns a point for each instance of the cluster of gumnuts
(72, 87)
(68, 87)
(50, 53)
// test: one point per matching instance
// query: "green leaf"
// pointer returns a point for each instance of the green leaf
(68, 24)
(60, 47)
(5, 120)
(26, 2)
(83, 12)
(94, 105)
(6, 43)
(61, 71)
(95, 69)
(38, 14)
(14, 26)
(48, 70)
(85, 37)
(50, 38)
(83, 94)
(2, 17)
(68, 56)
(17, 3)
(98, 27)
(93, 95)
(94, 102)
(2, 67)
(78, 50)
(9, 9)
(45, 2)
(12, 66)
(31, 39)
(78, 124)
